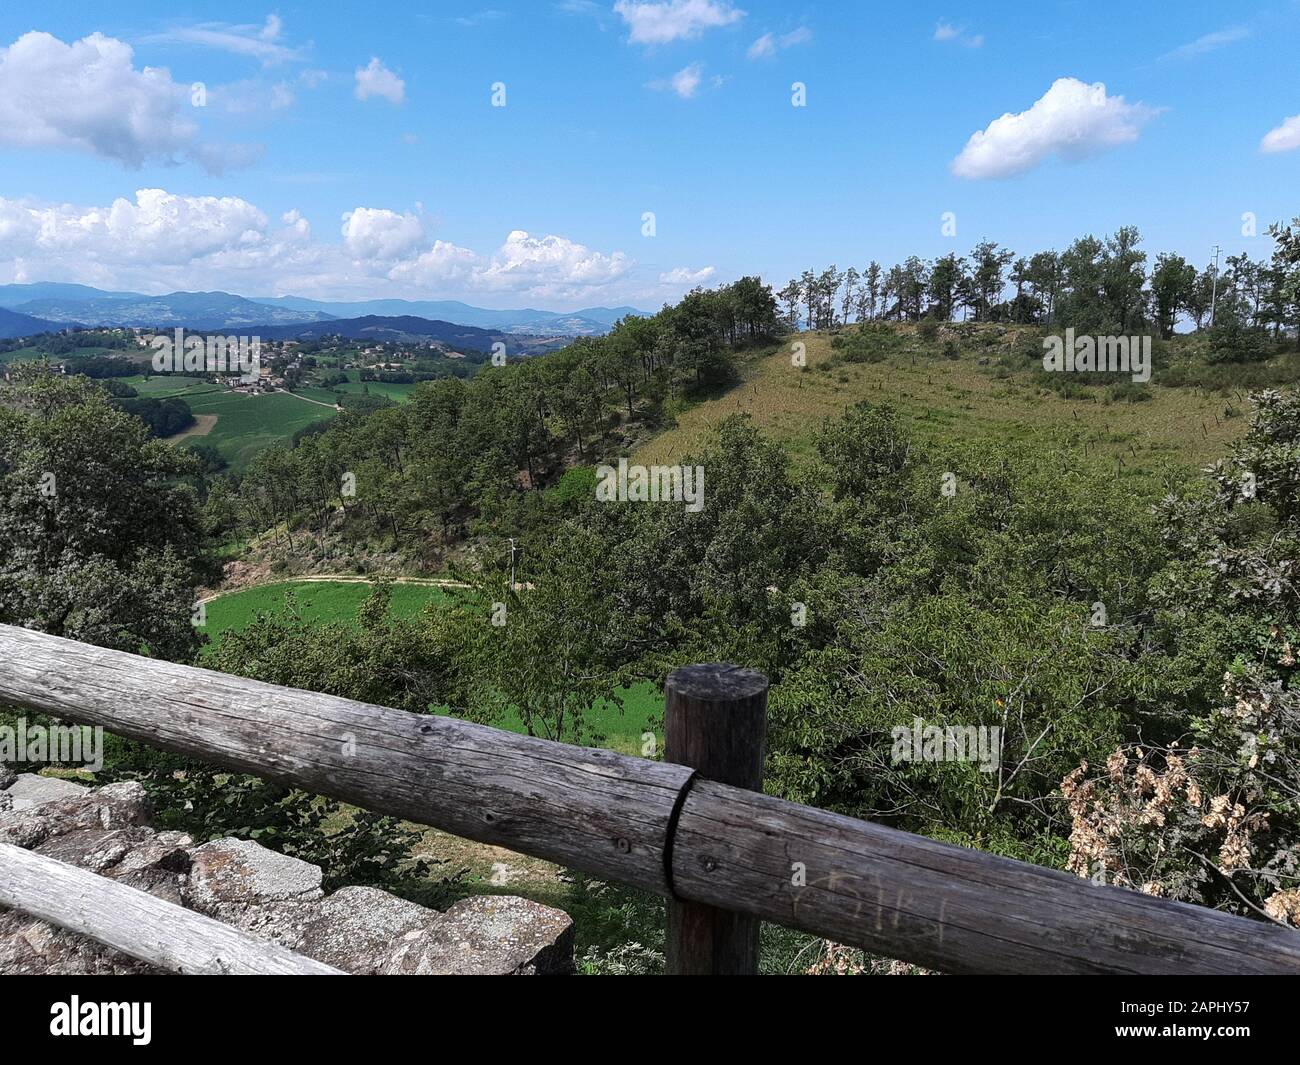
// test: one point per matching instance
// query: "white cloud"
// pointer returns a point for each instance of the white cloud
(377, 233)
(296, 227)
(1285, 138)
(1072, 119)
(156, 228)
(1208, 43)
(479, 18)
(258, 42)
(88, 96)
(685, 83)
(252, 96)
(161, 241)
(769, 44)
(439, 264)
(762, 48)
(550, 265)
(946, 31)
(684, 275)
(375, 79)
(674, 20)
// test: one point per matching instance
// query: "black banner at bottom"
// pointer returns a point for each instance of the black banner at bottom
(143, 1014)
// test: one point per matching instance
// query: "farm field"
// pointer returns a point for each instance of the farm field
(318, 601)
(248, 424)
(320, 395)
(164, 386)
(326, 601)
(960, 401)
(397, 393)
(20, 355)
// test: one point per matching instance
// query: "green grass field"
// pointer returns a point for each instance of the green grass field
(397, 393)
(326, 601)
(247, 425)
(23, 355)
(322, 395)
(164, 386)
(318, 601)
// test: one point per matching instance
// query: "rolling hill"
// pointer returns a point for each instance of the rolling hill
(72, 304)
(16, 324)
(408, 329)
(191, 310)
(590, 321)
(949, 401)
(12, 296)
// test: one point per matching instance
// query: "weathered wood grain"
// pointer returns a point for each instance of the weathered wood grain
(598, 811)
(715, 722)
(890, 892)
(945, 907)
(135, 923)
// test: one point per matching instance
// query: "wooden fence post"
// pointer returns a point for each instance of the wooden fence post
(715, 722)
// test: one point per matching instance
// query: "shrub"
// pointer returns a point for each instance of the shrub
(1216, 823)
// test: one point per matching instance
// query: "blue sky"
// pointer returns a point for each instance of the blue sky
(353, 151)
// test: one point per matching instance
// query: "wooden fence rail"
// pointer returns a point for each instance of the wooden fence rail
(657, 826)
(136, 923)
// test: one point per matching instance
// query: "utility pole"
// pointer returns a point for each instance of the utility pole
(512, 564)
(1214, 287)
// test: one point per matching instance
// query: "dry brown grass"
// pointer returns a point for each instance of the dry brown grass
(959, 400)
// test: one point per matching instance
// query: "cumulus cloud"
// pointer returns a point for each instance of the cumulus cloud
(1072, 119)
(160, 241)
(770, 43)
(674, 20)
(440, 264)
(88, 96)
(550, 265)
(156, 227)
(375, 79)
(377, 233)
(258, 42)
(1285, 138)
(296, 228)
(684, 275)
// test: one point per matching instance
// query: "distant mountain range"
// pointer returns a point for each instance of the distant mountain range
(68, 304)
(192, 310)
(14, 324)
(411, 329)
(590, 321)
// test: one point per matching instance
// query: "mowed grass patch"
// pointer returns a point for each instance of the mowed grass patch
(626, 729)
(320, 602)
(398, 393)
(619, 728)
(23, 355)
(248, 424)
(164, 386)
(954, 401)
(321, 395)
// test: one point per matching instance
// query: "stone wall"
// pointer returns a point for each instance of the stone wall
(358, 929)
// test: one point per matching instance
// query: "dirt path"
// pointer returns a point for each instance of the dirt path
(340, 578)
(308, 399)
(203, 424)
